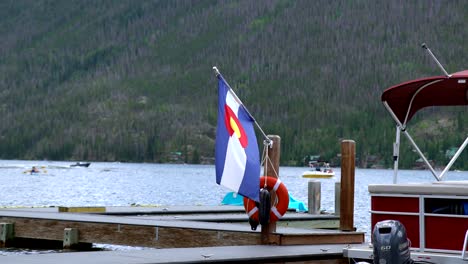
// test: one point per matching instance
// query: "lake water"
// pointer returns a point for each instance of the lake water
(124, 184)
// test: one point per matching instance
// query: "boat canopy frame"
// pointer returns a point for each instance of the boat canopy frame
(404, 100)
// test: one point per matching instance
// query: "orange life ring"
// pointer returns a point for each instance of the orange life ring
(279, 208)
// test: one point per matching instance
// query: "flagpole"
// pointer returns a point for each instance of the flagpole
(267, 139)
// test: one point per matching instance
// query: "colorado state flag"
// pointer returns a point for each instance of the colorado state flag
(236, 155)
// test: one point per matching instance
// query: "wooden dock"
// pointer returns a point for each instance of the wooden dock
(196, 227)
(168, 227)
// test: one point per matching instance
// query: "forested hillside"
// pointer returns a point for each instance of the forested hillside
(132, 80)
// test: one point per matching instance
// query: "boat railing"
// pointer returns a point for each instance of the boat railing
(439, 177)
(463, 255)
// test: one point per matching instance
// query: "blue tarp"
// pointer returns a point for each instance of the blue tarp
(232, 198)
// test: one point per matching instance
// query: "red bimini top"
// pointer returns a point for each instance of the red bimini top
(407, 98)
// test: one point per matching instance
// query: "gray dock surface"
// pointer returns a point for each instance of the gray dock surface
(200, 217)
(232, 254)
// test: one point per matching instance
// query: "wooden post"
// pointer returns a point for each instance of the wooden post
(271, 168)
(7, 234)
(347, 185)
(70, 238)
(337, 197)
(314, 196)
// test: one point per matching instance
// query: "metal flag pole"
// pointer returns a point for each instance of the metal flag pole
(267, 140)
(424, 46)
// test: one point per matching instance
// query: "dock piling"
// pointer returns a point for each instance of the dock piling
(314, 196)
(347, 185)
(337, 197)
(271, 169)
(70, 238)
(7, 234)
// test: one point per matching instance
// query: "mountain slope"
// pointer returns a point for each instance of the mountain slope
(132, 81)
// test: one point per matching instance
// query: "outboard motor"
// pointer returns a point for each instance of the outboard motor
(391, 244)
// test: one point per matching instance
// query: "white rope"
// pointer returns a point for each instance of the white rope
(264, 152)
(265, 156)
(271, 163)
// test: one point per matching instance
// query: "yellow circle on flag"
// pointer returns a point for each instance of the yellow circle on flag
(235, 127)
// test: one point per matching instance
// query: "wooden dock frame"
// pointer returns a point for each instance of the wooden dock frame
(146, 231)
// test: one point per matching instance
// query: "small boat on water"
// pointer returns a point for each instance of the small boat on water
(427, 221)
(35, 170)
(318, 172)
(81, 164)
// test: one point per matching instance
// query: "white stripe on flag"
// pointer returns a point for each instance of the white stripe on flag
(232, 103)
(234, 165)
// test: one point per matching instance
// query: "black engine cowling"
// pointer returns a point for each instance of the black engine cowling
(391, 244)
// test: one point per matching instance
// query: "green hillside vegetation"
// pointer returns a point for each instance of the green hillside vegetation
(132, 80)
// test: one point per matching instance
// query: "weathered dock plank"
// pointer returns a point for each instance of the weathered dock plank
(134, 232)
(234, 254)
(82, 209)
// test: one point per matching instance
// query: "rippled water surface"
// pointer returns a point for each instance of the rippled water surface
(124, 184)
